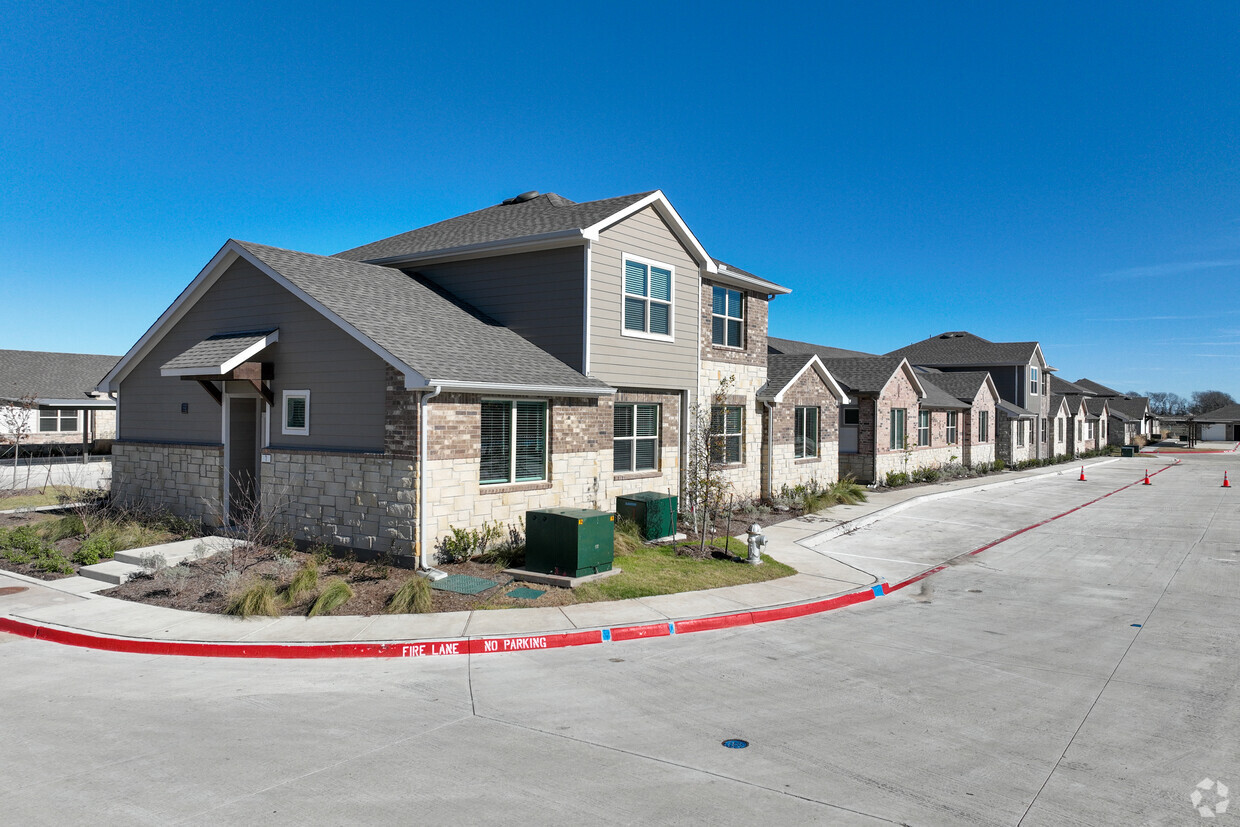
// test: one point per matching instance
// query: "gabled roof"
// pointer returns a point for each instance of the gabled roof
(430, 337)
(1097, 389)
(963, 348)
(869, 375)
(1058, 402)
(1096, 405)
(1134, 407)
(1074, 401)
(1063, 386)
(51, 377)
(963, 385)
(783, 370)
(774, 345)
(937, 397)
(1227, 413)
(1014, 411)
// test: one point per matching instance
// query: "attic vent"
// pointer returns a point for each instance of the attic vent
(522, 198)
(952, 335)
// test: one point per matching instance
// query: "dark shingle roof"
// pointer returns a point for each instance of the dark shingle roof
(214, 351)
(1227, 413)
(1063, 386)
(1134, 407)
(547, 213)
(1096, 389)
(963, 348)
(1014, 411)
(782, 368)
(867, 375)
(774, 345)
(937, 397)
(1095, 405)
(963, 385)
(51, 375)
(436, 335)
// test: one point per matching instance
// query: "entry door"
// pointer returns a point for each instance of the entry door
(243, 421)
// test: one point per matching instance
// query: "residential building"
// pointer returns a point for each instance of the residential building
(51, 399)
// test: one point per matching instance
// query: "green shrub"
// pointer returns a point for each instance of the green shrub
(303, 582)
(17, 555)
(998, 465)
(62, 528)
(52, 561)
(414, 597)
(896, 478)
(258, 599)
(85, 556)
(464, 543)
(925, 475)
(334, 595)
(101, 547)
(847, 491)
(23, 538)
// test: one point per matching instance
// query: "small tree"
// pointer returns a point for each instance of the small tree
(15, 418)
(706, 489)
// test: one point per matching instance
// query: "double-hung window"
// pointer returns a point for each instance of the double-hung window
(636, 438)
(1020, 433)
(953, 420)
(514, 442)
(805, 433)
(296, 420)
(1089, 430)
(897, 428)
(923, 428)
(1033, 381)
(1059, 427)
(1042, 429)
(647, 297)
(983, 426)
(58, 419)
(727, 427)
(727, 316)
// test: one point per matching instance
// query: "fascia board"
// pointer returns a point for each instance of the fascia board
(230, 364)
(912, 378)
(734, 279)
(507, 388)
(665, 209)
(75, 403)
(485, 249)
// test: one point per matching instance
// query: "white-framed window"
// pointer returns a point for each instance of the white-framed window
(636, 438)
(1033, 381)
(513, 441)
(898, 417)
(953, 422)
(1078, 430)
(983, 426)
(923, 428)
(727, 317)
(1089, 430)
(58, 420)
(805, 433)
(1059, 427)
(647, 297)
(1042, 425)
(295, 419)
(1020, 432)
(727, 423)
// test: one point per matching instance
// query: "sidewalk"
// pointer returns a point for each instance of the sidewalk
(52, 610)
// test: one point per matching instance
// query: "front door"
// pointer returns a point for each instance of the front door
(243, 421)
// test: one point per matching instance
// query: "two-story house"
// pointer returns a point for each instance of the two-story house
(536, 353)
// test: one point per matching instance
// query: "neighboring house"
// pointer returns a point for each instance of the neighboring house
(802, 404)
(976, 427)
(536, 353)
(65, 413)
(1019, 372)
(1096, 414)
(1135, 410)
(1059, 420)
(1220, 424)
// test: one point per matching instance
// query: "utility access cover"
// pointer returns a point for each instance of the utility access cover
(526, 594)
(463, 584)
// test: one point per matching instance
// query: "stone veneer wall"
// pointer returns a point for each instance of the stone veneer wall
(745, 477)
(788, 470)
(185, 479)
(1006, 448)
(357, 500)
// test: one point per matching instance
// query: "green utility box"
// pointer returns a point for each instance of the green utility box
(573, 542)
(1128, 451)
(654, 513)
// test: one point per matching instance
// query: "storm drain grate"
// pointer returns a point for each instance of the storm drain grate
(526, 594)
(735, 743)
(463, 584)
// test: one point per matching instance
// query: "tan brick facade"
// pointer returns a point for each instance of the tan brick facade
(782, 468)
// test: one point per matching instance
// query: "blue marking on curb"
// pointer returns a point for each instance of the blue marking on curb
(607, 635)
(671, 628)
(878, 590)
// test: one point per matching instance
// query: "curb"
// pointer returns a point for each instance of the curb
(555, 640)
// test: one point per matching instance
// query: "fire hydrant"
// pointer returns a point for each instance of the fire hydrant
(757, 542)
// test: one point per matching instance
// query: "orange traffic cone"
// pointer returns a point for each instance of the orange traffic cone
(1147, 477)
(1082, 473)
(1226, 484)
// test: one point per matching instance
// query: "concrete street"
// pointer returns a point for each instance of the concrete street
(1083, 672)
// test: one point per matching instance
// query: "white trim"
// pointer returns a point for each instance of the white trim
(668, 213)
(505, 387)
(726, 275)
(743, 318)
(512, 442)
(230, 364)
(585, 326)
(837, 390)
(658, 436)
(670, 336)
(285, 430)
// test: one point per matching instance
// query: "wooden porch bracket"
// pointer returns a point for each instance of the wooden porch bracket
(216, 393)
(258, 374)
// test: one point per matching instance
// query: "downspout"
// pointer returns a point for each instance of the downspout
(424, 562)
(770, 449)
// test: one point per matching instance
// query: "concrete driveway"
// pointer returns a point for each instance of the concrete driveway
(1083, 672)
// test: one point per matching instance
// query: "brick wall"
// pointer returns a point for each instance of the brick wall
(785, 468)
(754, 330)
(400, 419)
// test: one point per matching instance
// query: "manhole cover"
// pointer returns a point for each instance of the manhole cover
(12, 590)
(735, 743)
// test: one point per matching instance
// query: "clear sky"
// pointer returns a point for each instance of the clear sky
(1060, 172)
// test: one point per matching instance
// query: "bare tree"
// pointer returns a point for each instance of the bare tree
(1206, 401)
(16, 419)
(706, 489)
(1163, 403)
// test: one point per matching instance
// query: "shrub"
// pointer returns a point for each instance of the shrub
(303, 582)
(86, 556)
(896, 478)
(334, 595)
(925, 475)
(847, 491)
(414, 597)
(258, 599)
(52, 561)
(99, 547)
(998, 465)
(463, 543)
(63, 528)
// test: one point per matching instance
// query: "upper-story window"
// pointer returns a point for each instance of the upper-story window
(727, 317)
(1033, 381)
(647, 297)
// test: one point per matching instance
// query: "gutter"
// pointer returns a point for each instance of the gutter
(424, 561)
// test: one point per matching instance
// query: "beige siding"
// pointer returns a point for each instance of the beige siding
(345, 380)
(626, 360)
(538, 295)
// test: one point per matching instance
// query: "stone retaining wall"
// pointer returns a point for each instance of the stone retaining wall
(185, 479)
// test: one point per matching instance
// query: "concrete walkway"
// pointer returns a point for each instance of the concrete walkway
(829, 551)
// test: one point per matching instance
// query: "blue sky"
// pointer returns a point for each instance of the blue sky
(1064, 172)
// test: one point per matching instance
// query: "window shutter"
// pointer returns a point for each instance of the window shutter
(634, 278)
(634, 314)
(531, 440)
(719, 301)
(660, 284)
(496, 427)
(659, 321)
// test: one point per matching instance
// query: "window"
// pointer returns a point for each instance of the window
(1089, 430)
(983, 426)
(850, 416)
(514, 442)
(1020, 434)
(1042, 428)
(296, 413)
(1078, 430)
(952, 424)
(58, 419)
(897, 428)
(923, 427)
(727, 313)
(636, 432)
(805, 433)
(647, 297)
(1033, 381)
(1059, 427)
(726, 423)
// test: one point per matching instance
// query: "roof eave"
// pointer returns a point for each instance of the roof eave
(465, 386)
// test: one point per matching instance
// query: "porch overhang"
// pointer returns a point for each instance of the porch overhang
(224, 357)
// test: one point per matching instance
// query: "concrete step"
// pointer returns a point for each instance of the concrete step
(80, 585)
(174, 553)
(113, 572)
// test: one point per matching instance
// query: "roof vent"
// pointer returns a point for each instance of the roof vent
(952, 335)
(522, 198)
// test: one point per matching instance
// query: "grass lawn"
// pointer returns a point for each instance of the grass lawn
(651, 570)
(50, 496)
